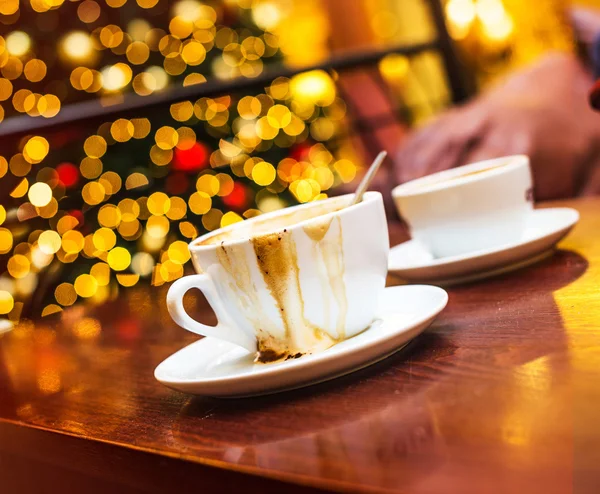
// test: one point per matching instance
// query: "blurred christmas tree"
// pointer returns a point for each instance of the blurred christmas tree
(93, 209)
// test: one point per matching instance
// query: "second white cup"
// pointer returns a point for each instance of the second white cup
(470, 208)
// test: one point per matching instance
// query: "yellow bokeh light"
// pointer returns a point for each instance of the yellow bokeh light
(130, 209)
(111, 182)
(192, 79)
(142, 263)
(6, 89)
(394, 67)
(147, 4)
(18, 43)
(35, 70)
(91, 167)
(95, 146)
(345, 169)
(111, 36)
(49, 210)
(208, 184)
(115, 4)
(109, 216)
(178, 252)
(116, 76)
(157, 226)
(305, 190)
(137, 52)
(263, 173)
(66, 223)
(159, 76)
(122, 130)
(86, 285)
(6, 240)
(136, 180)
(104, 239)
(49, 242)
(127, 279)
(119, 259)
(18, 266)
(158, 203)
(51, 309)
(188, 230)
(20, 165)
(130, 230)
(249, 107)
(21, 189)
(267, 14)
(101, 273)
(9, 7)
(40, 194)
(230, 218)
(166, 138)
(212, 219)
(279, 116)
(93, 193)
(170, 270)
(88, 11)
(36, 149)
(52, 106)
(6, 302)
(12, 68)
(160, 157)
(193, 52)
(77, 46)
(141, 127)
(72, 242)
(265, 130)
(65, 294)
(315, 87)
(180, 27)
(3, 214)
(182, 111)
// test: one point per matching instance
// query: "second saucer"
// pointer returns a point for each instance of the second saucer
(544, 228)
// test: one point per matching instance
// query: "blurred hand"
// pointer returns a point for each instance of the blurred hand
(542, 111)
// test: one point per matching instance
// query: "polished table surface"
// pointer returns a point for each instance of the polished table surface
(500, 394)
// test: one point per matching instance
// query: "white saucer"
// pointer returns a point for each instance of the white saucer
(214, 367)
(544, 228)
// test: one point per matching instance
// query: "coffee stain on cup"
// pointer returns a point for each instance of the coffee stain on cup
(278, 262)
(332, 255)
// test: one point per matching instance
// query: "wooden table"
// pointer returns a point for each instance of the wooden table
(501, 394)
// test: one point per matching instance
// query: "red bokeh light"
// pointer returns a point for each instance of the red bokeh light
(300, 152)
(192, 159)
(68, 174)
(238, 196)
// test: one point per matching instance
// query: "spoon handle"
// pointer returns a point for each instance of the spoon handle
(367, 179)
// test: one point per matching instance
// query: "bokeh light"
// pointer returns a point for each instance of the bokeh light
(112, 203)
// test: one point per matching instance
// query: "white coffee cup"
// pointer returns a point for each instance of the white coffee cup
(469, 208)
(291, 282)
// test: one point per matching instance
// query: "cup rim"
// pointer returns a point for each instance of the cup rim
(441, 180)
(368, 198)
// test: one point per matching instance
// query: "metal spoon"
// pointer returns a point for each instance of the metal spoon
(367, 179)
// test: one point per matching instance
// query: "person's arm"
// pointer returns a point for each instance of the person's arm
(542, 111)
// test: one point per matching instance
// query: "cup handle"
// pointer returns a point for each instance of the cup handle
(221, 331)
